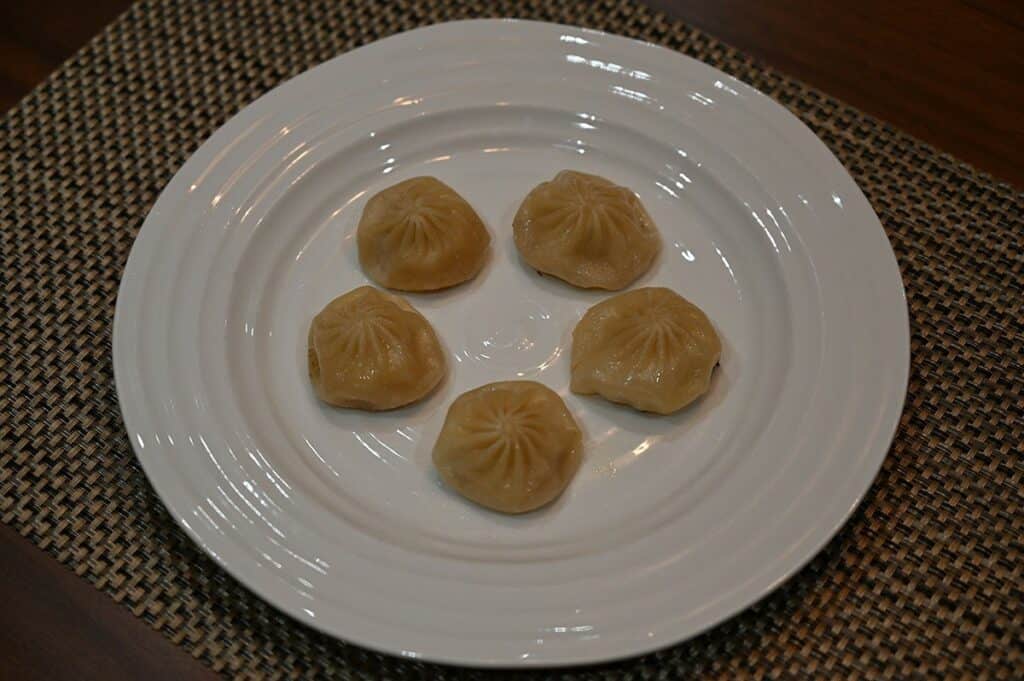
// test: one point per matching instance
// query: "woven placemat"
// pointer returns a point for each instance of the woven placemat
(925, 580)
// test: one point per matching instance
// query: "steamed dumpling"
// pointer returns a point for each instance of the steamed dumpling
(586, 230)
(420, 235)
(650, 348)
(369, 349)
(510, 446)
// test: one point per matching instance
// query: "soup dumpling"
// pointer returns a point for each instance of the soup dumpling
(586, 230)
(369, 349)
(649, 348)
(511, 446)
(420, 235)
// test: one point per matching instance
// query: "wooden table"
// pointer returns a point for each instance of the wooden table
(949, 72)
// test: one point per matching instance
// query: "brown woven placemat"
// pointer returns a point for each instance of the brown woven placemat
(925, 580)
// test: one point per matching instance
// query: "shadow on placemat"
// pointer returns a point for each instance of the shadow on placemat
(925, 579)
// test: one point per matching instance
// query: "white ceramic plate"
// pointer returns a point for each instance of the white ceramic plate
(673, 523)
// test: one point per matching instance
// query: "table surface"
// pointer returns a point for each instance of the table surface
(946, 71)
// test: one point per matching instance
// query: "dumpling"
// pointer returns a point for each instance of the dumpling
(371, 350)
(511, 446)
(586, 230)
(420, 235)
(649, 348)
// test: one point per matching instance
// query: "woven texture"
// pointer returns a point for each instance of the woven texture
(926, 579)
